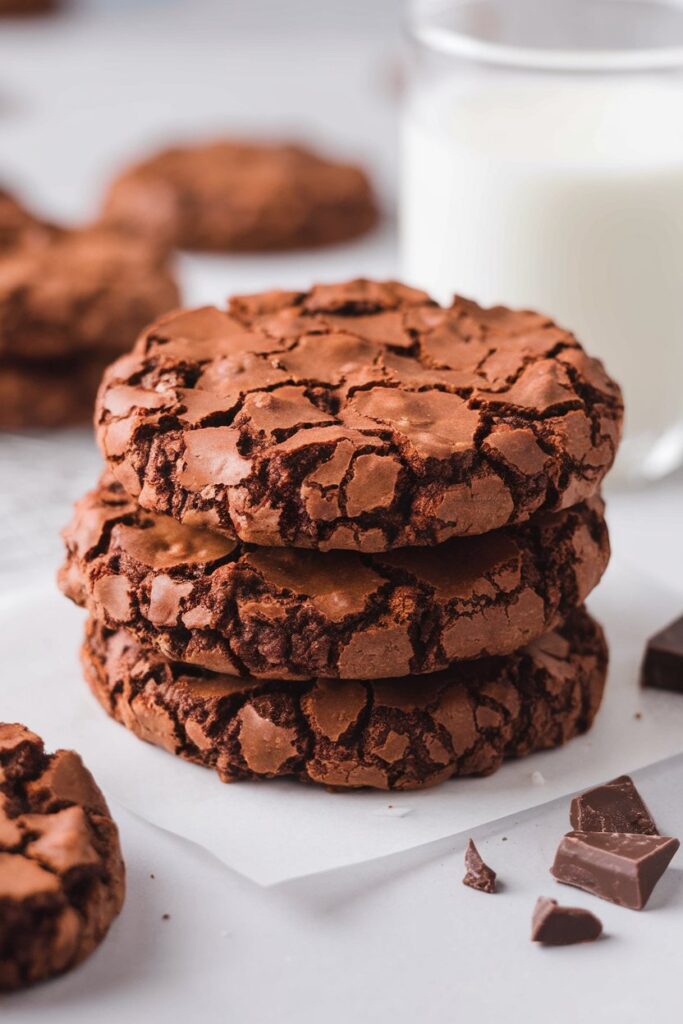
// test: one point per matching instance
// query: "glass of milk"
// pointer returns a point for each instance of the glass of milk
(542, 167)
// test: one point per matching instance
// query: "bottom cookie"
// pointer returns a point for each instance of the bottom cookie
(61, 872)
(393, 734)
(34, 393)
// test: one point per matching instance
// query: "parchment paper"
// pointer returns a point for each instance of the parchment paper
(271, 832)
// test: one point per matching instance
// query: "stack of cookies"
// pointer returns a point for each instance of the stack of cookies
(345, 535)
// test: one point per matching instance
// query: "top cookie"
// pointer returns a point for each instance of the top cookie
(240, 196)
(361, 416)
(78, 291)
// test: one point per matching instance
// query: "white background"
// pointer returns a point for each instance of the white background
(395, 939)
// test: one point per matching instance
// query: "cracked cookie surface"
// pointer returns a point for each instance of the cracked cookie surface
(61, 871)
(201, 597)
(396, 734)
(357, 416)
(242, 196)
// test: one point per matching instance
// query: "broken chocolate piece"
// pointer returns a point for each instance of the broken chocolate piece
(478, 875)
(615, 806)
(619, 867)
(554, 925)
(663, 662)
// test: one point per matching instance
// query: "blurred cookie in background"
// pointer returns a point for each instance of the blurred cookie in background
(70, 302)
(89, 290)
(18, 225)
(49, 393)
(242, 197)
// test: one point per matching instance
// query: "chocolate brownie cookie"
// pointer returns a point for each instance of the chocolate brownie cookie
(242, 196)
(201, 597)
(61, 872)
(84, 291)
(389, 735)
(360, 416)
(48, 393)
(17, 225)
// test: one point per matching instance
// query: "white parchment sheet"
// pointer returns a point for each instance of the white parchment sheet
(271, 832)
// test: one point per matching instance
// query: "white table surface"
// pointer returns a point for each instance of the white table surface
(399, 939)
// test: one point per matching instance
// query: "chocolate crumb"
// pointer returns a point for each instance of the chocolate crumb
(165, 917)
(478, 875)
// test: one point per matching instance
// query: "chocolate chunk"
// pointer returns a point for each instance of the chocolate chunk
(619, 867)
(554, 925)
(663, 662)
(615, 806)
(478, 875)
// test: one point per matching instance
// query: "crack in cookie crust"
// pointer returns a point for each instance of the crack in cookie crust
(392, 734)
(357, 416)
(199, 596)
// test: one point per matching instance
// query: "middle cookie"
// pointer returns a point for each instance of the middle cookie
(210, 600)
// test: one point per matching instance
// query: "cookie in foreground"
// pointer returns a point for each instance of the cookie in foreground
(361, 416)
(393, 734)
(62, 877)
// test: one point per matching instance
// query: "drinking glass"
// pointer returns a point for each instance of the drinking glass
(542, 167)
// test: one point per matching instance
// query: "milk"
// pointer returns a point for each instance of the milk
(567, 197)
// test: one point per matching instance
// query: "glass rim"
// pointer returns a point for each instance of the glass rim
(451, 42)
